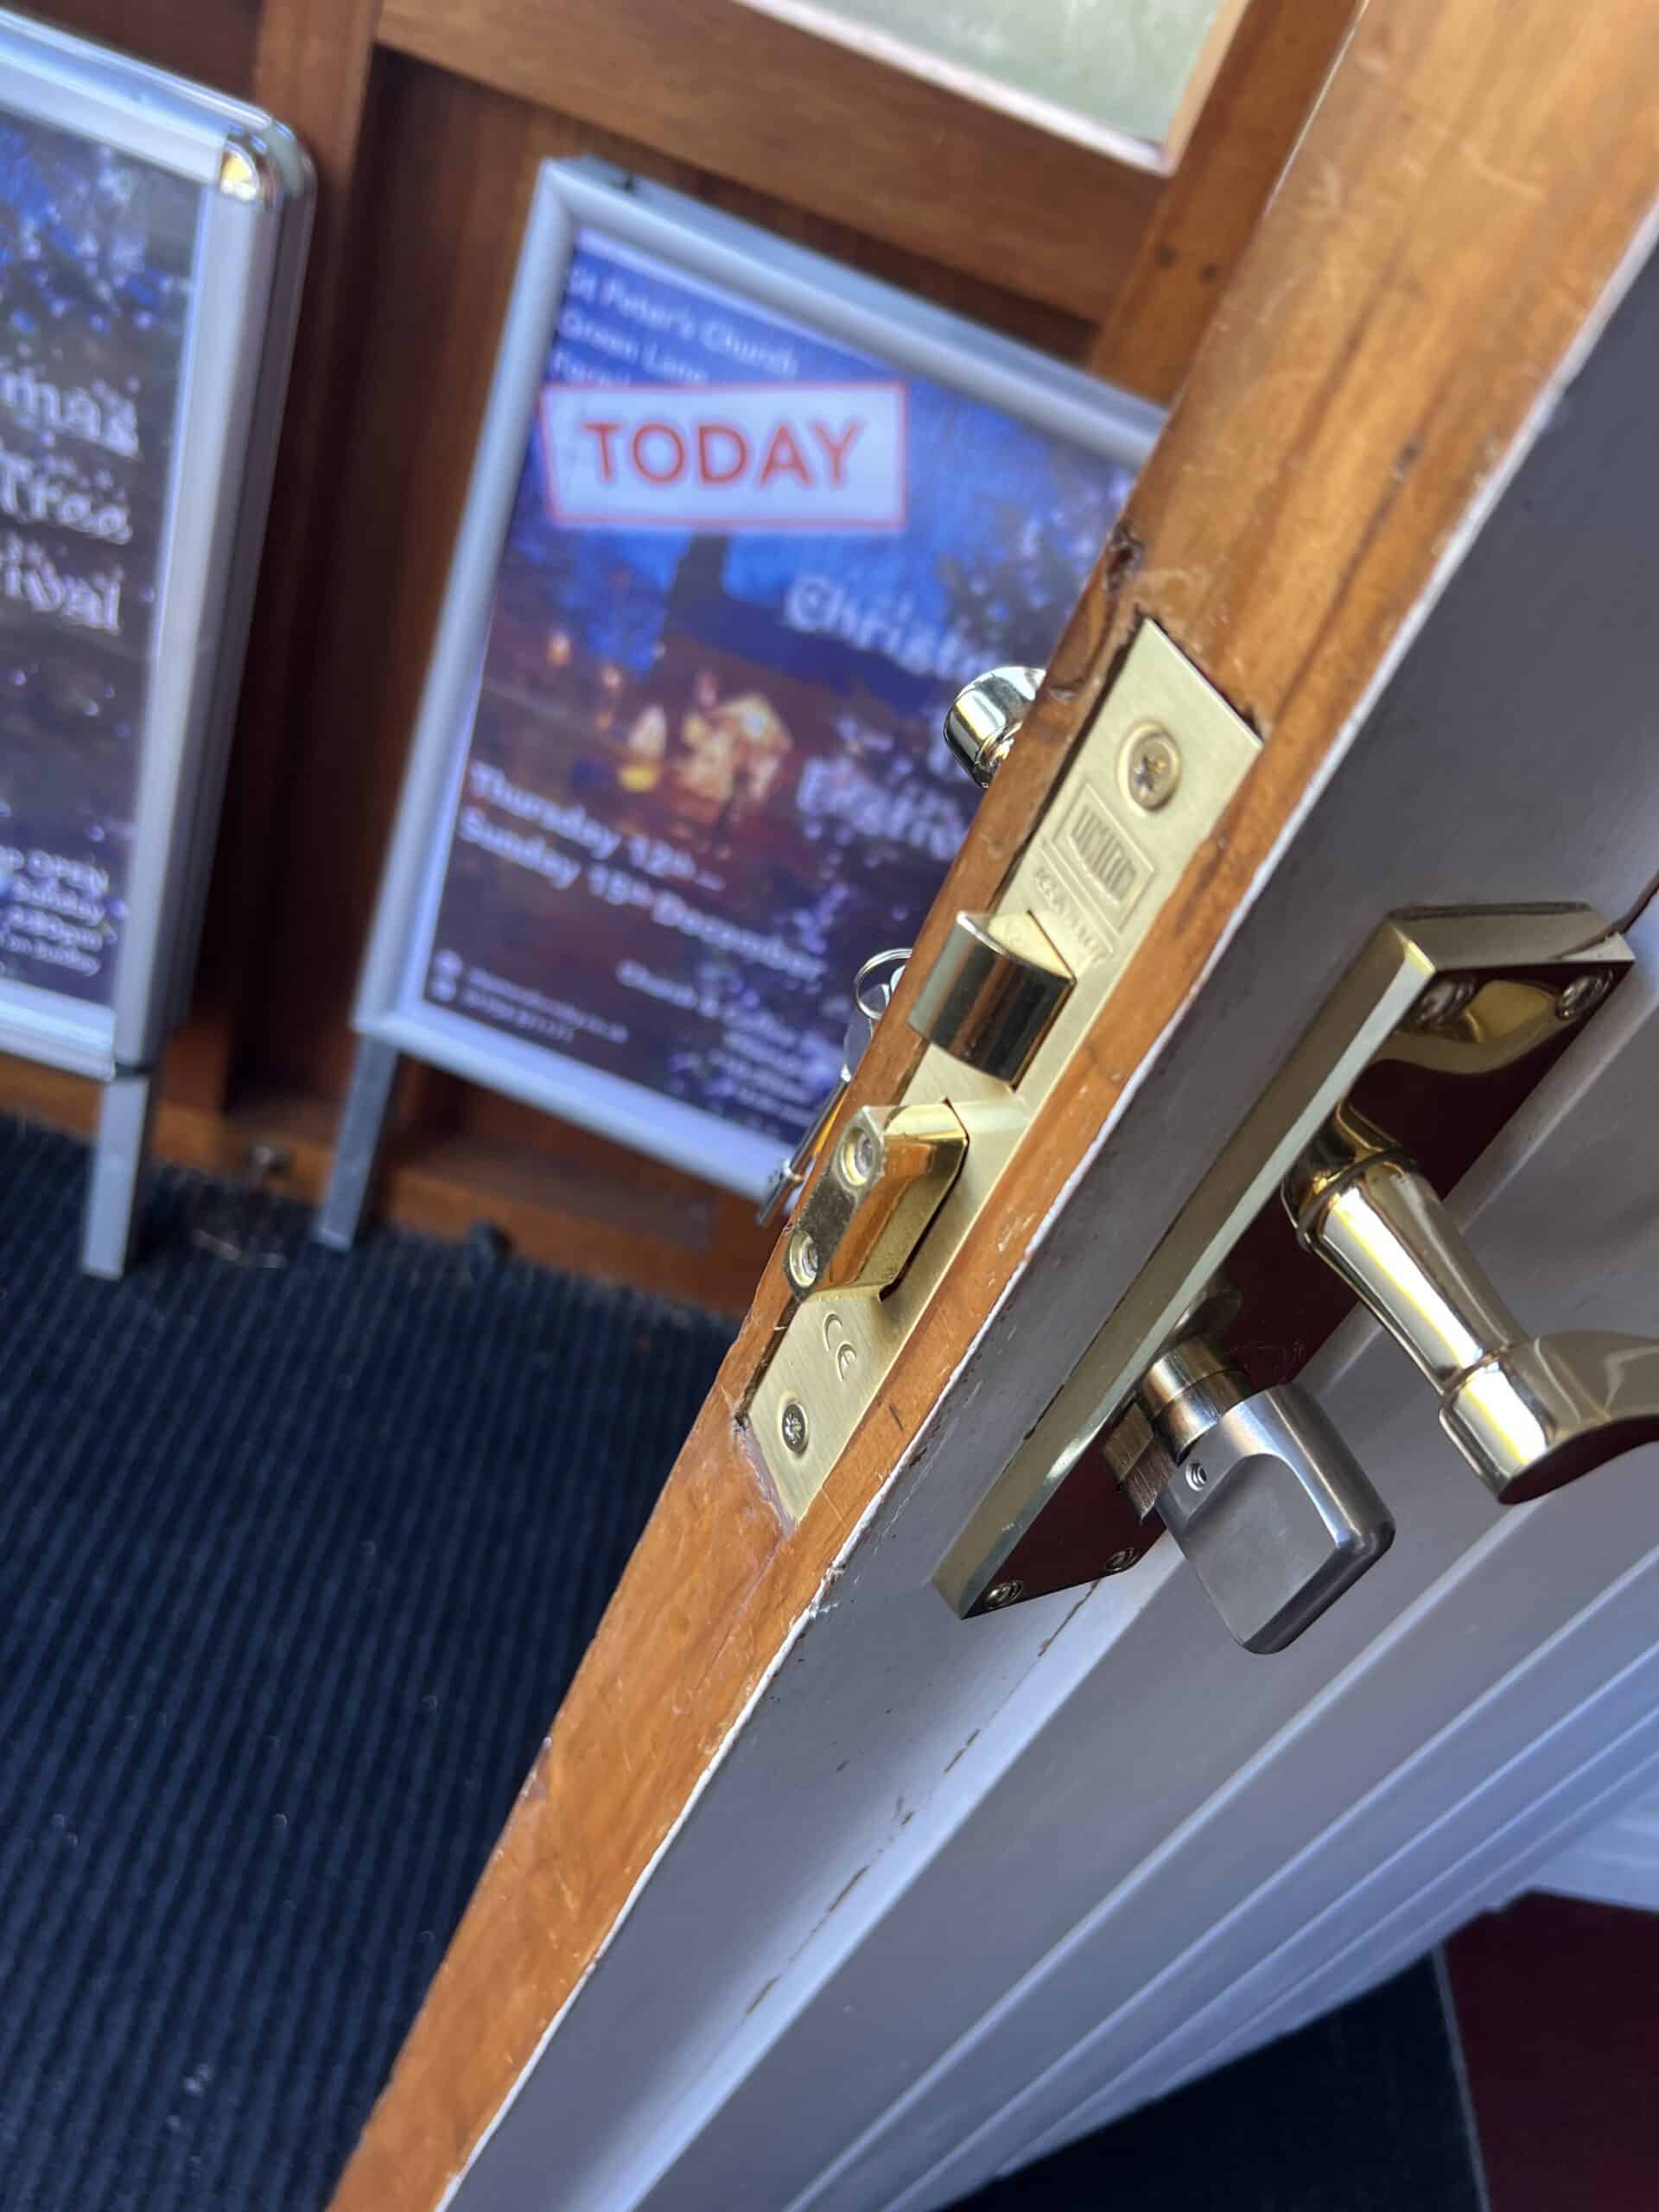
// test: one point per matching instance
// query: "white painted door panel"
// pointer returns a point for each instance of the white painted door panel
(1240, 1881)
(1617, 1863)
(1529, 1645)
(958, 1891)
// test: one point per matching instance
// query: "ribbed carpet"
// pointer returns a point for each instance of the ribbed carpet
(297, 1553)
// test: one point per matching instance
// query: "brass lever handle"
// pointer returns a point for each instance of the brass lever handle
(1529, 1413)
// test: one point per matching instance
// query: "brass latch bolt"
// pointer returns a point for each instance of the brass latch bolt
(865, 1215)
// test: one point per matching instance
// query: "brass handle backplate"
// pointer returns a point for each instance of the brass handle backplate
(1434, 1002)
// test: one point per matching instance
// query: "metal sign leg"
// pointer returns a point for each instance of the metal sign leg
(120, 1162)
(340, 1215)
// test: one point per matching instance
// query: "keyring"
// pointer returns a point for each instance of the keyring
(899, 953)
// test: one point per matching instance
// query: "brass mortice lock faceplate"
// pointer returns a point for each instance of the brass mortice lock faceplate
(1016, 994)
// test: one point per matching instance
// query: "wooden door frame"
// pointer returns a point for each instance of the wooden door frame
(1455, 224)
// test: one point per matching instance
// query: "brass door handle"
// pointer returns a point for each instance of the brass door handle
(1397, 1067)
(1529, 1413)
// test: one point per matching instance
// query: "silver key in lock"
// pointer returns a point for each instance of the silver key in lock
(874, 985)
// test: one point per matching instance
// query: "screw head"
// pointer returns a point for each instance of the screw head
(1582, 995)
(1196, 1477)
(793, 1421)
(858, 1156)
(1002, 1593)
(803, 1258)
(1152, 767)
(1443, 1000)
(1121, 1562)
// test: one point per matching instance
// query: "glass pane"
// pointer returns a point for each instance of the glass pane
(1097, 70)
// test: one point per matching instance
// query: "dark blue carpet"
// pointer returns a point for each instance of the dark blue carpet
(297, 1553)
(1364, 2111)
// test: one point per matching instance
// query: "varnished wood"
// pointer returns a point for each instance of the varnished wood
(215, 45)
(574, 1201)
(1464, 198)
(1219, 42)
(763, 104)
(311, 67)
(1275, 63)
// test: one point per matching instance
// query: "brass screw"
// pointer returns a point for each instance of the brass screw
(1582, 995)
(803, 1262)
(1001, 1594)
(793, 1421)
(858, 1157)
(1152, 767)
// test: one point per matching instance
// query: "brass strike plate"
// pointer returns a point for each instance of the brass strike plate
(1149, 780)
(1439, 1030)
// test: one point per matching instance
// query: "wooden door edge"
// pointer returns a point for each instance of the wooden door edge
(1418, 288)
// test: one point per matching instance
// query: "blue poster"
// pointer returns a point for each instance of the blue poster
(97, 254)
(748, 568)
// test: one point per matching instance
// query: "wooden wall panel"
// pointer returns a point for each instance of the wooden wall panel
(426, 119)
(809, 122)
(311, 69)
(214, 44)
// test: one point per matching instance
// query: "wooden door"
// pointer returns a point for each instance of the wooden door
(1341, 531)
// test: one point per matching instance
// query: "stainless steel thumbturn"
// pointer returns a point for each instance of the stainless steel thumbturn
(1528, 1413)
(1274, 1513)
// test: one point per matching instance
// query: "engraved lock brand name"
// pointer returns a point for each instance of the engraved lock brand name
(1104, 856)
